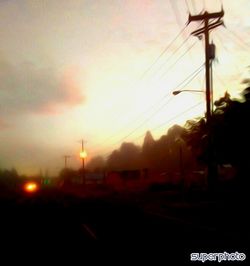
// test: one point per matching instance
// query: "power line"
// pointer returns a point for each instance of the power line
(185, 82)
(163, 124)
(146, 120)
(235, 39)
(187, 110)
(172, 54)
(176, 12)
(204, 5)
(239, 38)
(220, 80)
(175, 8)
(227, 50)
(130, 122)
(193, 75)
(187, 6)
(178, 59)
(141, 124)
(194, 6)
(162, 53)
(157, 59)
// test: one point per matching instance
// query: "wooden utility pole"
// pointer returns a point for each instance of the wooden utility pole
(83, 155)
(66, 157)
(209, 55)
(83, 163)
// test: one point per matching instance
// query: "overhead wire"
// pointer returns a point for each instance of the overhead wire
(172, 55)
(187, 6)
(174, 52)
(166, 94)
(186, 81)
(177, 60)
(193, 75)
(228, 51)
(162, 53)
(157, 59)
(233, 38)
(163, 124)
(236, 36)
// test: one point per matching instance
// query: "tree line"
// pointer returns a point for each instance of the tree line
(187, 147)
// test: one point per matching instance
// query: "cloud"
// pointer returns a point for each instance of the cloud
(29, 88)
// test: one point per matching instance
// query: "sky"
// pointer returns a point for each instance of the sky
(87, 69)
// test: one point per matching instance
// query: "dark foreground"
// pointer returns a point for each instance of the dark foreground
(158, 225)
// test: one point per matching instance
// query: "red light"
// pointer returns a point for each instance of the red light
(31, 187)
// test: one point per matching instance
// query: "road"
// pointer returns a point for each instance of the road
(52, 219)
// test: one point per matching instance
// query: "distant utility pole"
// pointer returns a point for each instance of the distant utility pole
(66, 157)
(83, 155)
(83, 166)
(209, 55)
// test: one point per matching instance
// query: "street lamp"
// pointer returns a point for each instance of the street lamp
(212, 170)
(83, 154)
(179, 91)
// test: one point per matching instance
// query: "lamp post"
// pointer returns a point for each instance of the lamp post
(212, 169)
(83, 155)
(180, 142)
(179, 91)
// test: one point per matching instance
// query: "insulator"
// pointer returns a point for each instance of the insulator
(211, 51)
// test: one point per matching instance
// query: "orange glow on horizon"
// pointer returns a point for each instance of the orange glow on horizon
(31, 187)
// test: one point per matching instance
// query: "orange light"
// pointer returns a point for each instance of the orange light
(83, 154)
(31, 187)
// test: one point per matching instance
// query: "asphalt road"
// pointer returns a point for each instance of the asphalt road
(52, 220)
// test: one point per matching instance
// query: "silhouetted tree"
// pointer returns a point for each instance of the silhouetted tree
(167, 153)
(96, 164)
(9, 179)
(126, 158)
(148, 151)
(67, 175)
(230, 132)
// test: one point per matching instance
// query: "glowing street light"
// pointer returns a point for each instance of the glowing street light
(83, 155)
(31, 187)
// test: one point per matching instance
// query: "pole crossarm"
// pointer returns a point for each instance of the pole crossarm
(210, 27)
(206, 15)
(205, 18)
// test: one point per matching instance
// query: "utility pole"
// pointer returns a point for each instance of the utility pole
(66, 157)
(83, 155)
(83, 166)
(209, 55)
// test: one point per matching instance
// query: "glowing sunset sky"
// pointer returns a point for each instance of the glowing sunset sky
(76, 69)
